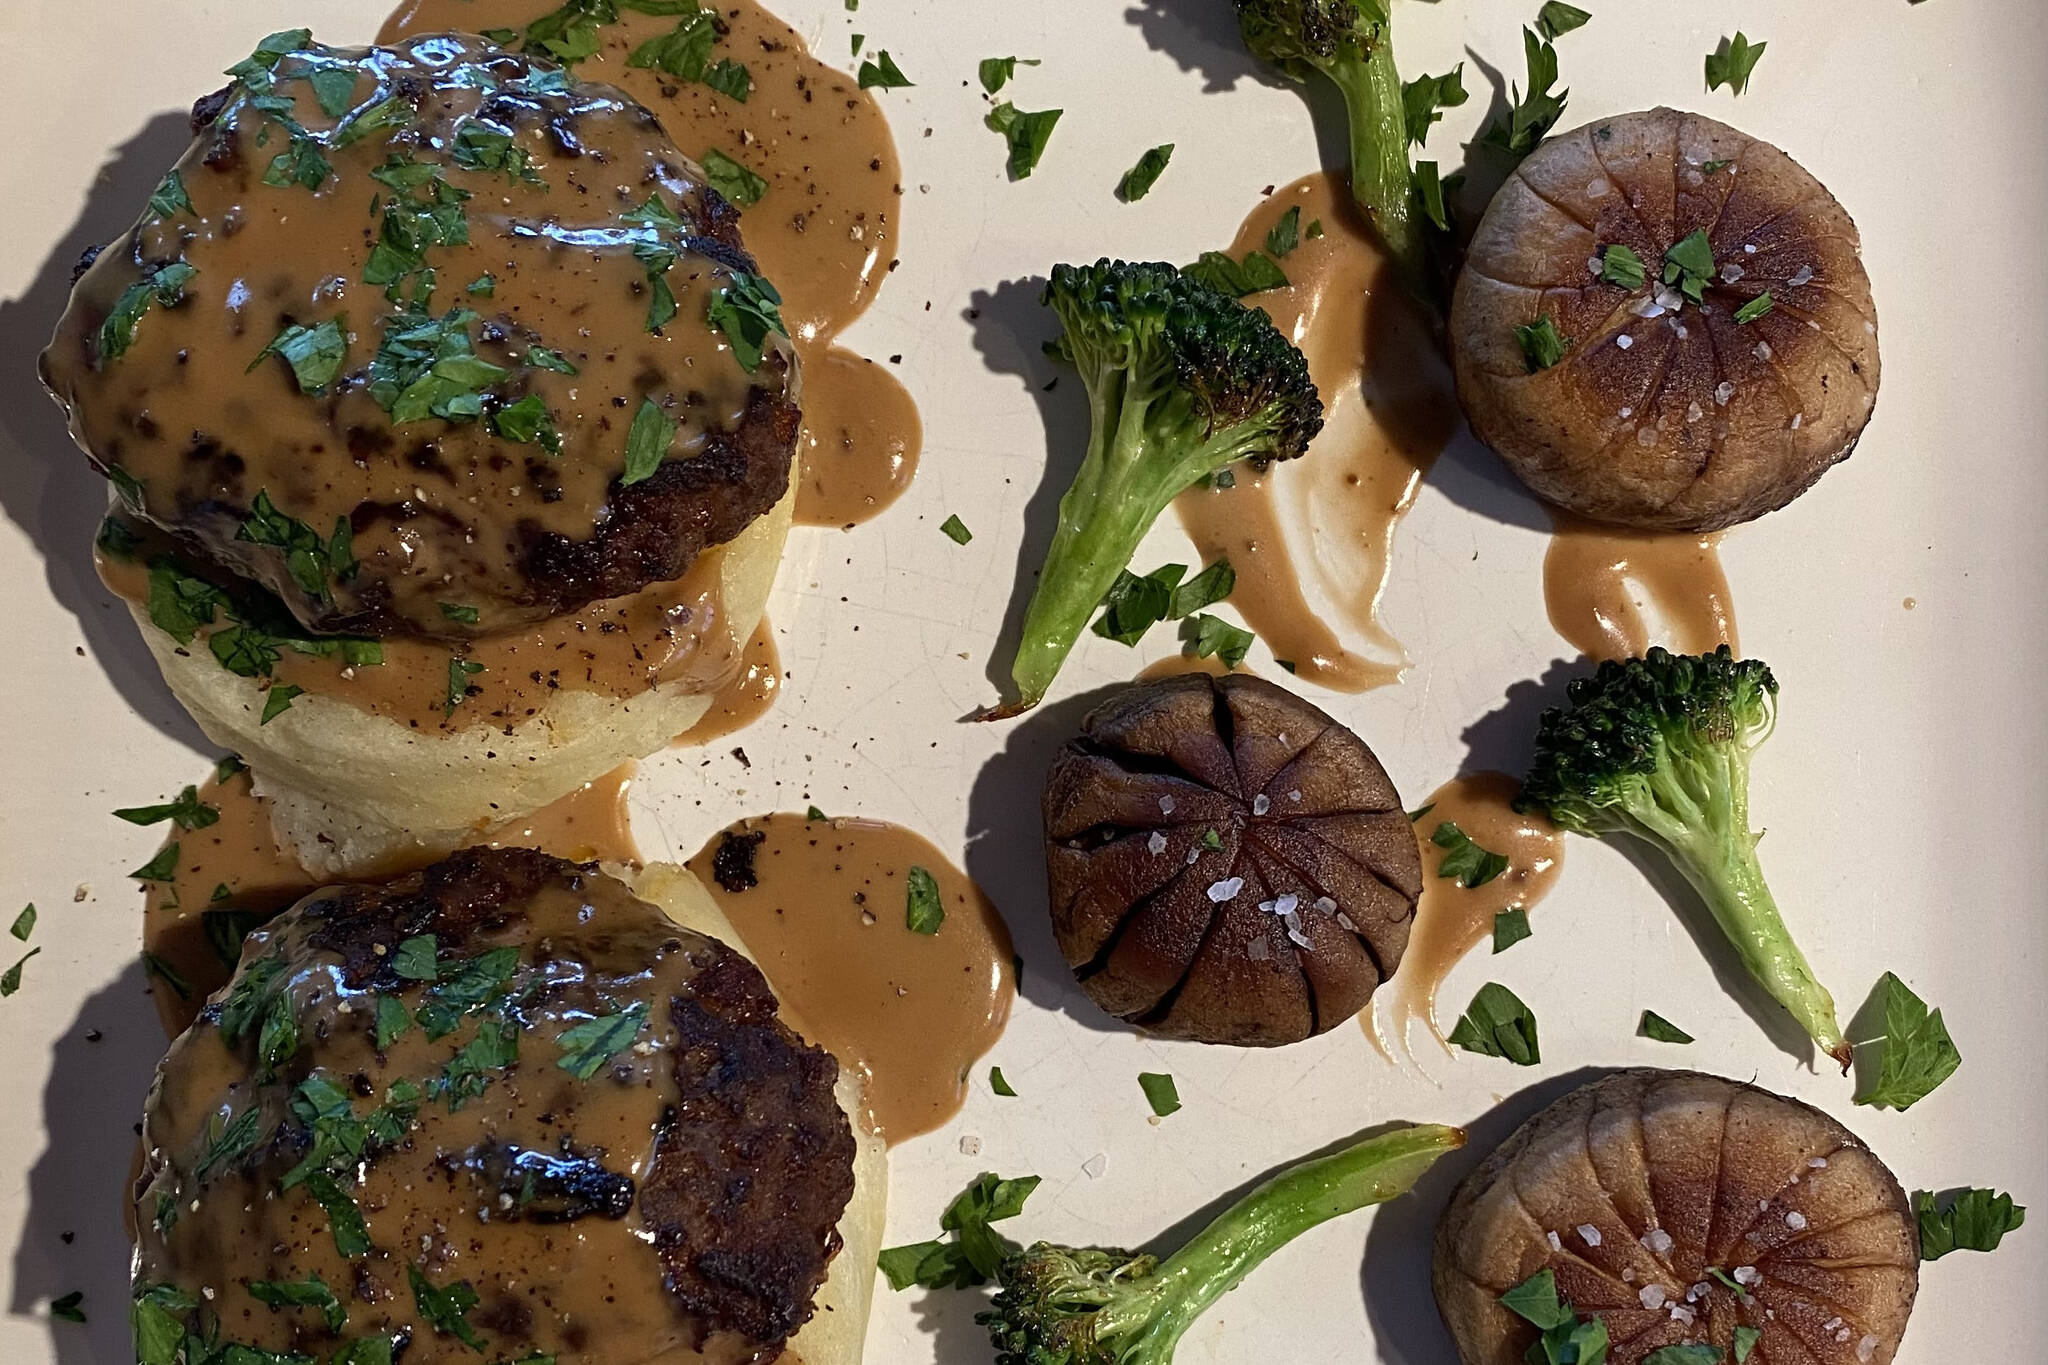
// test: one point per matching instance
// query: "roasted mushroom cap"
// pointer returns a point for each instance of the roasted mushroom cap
(506, 1079)
(1678, 1207)
(1664, 413)
(1227, 862)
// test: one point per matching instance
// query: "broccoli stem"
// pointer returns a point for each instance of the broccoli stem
(1713, 846)
(1382, 182)
(1278, 1211)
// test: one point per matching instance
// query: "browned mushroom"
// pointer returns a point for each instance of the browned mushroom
(1684, 404)
(1227, 862)
(1681, 1208)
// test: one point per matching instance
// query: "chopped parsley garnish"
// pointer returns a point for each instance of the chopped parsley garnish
(423, 211)
(1285, 235)
(731, 79)
(1429, 189)
(481, 146)
(1755, 308)
(311, 1292)
(1210, 635)
(455, 611)
(1918, 1053)
(976, 1249)
(569, 34)
(1160, 1092)
(314, 353)
(1708, 168)
(1556, 19)
(10, 980)
(1026, 130)
(24, 923)
(526, 422)
(180, 604)
(1620, 265)
(467, 1075)
(1731, 62)
(344, 1217)
(116, 538)
(1205, 589)
(1746, 1338)
(999, 1085)
(469, 987)
(278, 700)
(1541, 346)
(1689, 264)
(587, 1046)
(1509, 928)
(68, 1307)
(813, 813)
(334, 87)
(170, 197)
(1466, 862)
(1424, 99)
(163, 286)
(446, 1310)
(1684, 1355)
(1566, 1337)
(1134, 604)
(747, 309)
(385, 116)
(187, 811)
(881, 72)
(309, 559)
(1139, 179)
(956, 530)
(1531, 116)
(159, 1332)
(996, 72)
(254, 70)
(428, 367)
(1967, 1220)
(230, 1143)
(1498, 1024)
(541, 358)
(460, 671)
(391, 1021)
(1657, 1028)
(1256, 273)
(647, 441)
(1211, 840)
(483, 286)
(225, 929)
(685, 53)
(923, 911)
(733, 181)
(152, 965)
(160, 868)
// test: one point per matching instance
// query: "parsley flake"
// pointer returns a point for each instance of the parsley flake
(1424, 99)
(735, 183)
(1208, 636)
(1498, 1024)
(1026, 131)
(1137, 182)
(187, 811)
(1541, 346)
(995, 72)
(924, 911)
(1967, 1220)
(1556, 19)
(956, 530)
(999, 1085)
(1657, 1028)
(1160, 1092)
(1463, 860)
(1620, 265)
(587, 1046)
(1755, 308)
(10, 980)
(1731, 63)
(881, 72)
(747, 310)
(1918, 1053)
(1509, 928)
(24, 923)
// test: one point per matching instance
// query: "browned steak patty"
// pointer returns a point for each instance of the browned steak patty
(500, 1100)
(473, 351)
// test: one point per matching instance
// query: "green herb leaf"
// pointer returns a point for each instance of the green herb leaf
(1535, 1301)
(587, 1046)
(334, 87)
(881, 72)
(998, 1084)
(187, 812)
(1139, 179)
(10, 980)
(344, 1217)
(311, 1292)
(1285, 234)
(170, 197)
(235, 1140)
(996, 71)
(1689, 264)
(1731, 62)
(1746, 1338)
(392, 1020)
(733, 181)
(1541, 346)
(1967, 1220)
(1657, 1028)
(455, 611)
(747, 310)
(1918, 1053)
(541, 358)
(460, 671)
(481, 146)
(1531, 116)
(1134, 604)
(160, 868)
(1160, 1092)
(924, 911)
(928, 1265)
(647, 441)
(956, 530)
(68, 1307)
(731, 79)
(1620, 265)
(1424, 99)
(1556, 19)
(1684, 1355)
(416, 958)
(24, 923)
(1464, 860)
(1256, 273)
(813, 813)
(1429, 191)
(278, 700)
(446, 1310)
(1027, 132)
(1509, 928)
(1210, 635)
(164, 287)
(1205, 589)
(468, 1073)
(1211, 840)
(1755, 308)
(163, 971)
(1498, 1024)
(225, 929)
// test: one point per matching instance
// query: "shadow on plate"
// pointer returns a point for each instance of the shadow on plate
(1399, 1302)
(75, 1233)
(46, 486)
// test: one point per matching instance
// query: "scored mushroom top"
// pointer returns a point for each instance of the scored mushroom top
(1679, 1207)
(1227, 863)
(1672, 405)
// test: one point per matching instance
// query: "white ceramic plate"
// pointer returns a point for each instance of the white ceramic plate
(1904, 789)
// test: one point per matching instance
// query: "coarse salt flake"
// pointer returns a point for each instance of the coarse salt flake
(1681, 1313)
(1866, 1347)
(1287, 905)
(1624, 341)
(1732, 272)
(1763, 350)
(1748, 1274)
(1693, 412)
(1648, 307)
(1597, 187)
(1795, 1220)
(1095, 1165)
(1724, 391)
(1803, 275)
(1555, 1243)
(1589, 1234)
(1156, 844)
(1261, 804)
(1326, 904)
(1646, 436)
(1294, 795)
(1592, 265)
(1626, 412)
(1166, 805)
(1652, 1296)
(1831, 1324)
(1798, 420)
(970, 1145)
(1193, 855)
(1748, 249)
(1657, 1242)
(1347, 924)
(1222, 891)
(1819, 1163)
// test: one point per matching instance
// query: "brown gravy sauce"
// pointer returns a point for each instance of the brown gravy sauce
(1174, 665)
(1597, 581)
(236, 867)
(1389, 409)
(748, 696)
(826, 921)
(825, 232)
(1451, 920)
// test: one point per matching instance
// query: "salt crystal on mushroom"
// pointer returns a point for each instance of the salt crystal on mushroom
(1723, 391)
(1624, 341)
(1556, 1244)
(1803, 275)
(1748, 1275)
(1795, 1220)
(1819, 1163)
(1732, 272)
(1866, 1347)
(1261, 804)
(1763, 350)
(1166, 805)
(1222, 891)
(1652, 1296)
(1589, 1234)
(1657, 1242)
(1326, 904)
(1156, 844)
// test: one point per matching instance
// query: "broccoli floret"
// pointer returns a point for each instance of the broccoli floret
(1351, 42)
(1058, 1305)
(1659, 748)
(1182, 381)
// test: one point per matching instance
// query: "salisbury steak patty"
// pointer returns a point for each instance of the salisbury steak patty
(498, 1105)
(431, 340)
